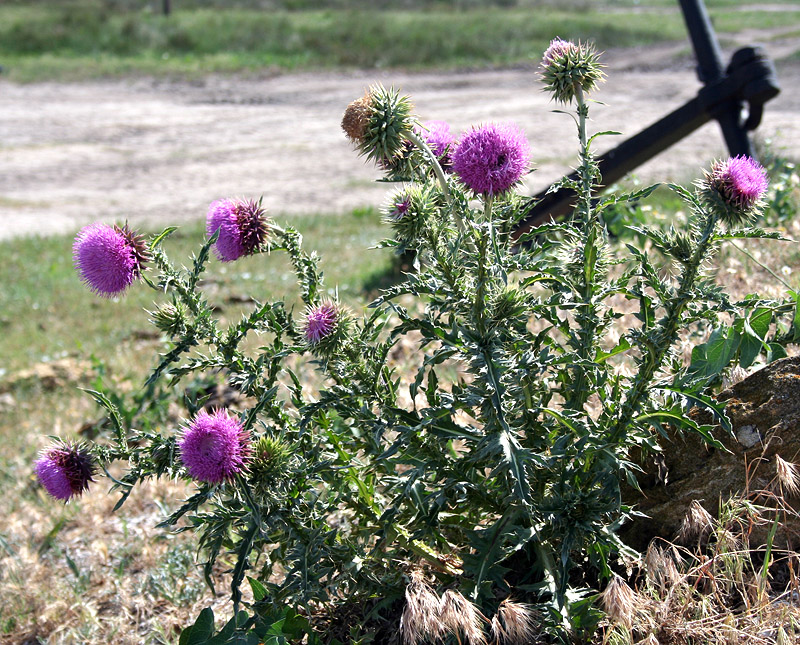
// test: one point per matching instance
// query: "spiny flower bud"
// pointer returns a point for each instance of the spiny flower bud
(65, 469)
(734, 189)
(407, 212)
(214, 447)
(567, 66)
(378, 122)
(109, 258)
(243, 227)
(170, 318)
(325, 326)
(268, 463)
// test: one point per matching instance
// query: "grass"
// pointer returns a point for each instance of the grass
(86, 38)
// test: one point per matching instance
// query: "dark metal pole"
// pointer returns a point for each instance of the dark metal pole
(167, 7)
(710, 69)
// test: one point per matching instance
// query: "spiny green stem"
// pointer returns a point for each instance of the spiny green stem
(666, 334)
(437, 170)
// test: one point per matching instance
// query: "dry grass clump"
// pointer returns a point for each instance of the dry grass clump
(715, 584)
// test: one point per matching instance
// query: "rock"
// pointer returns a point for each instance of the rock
(764, 410)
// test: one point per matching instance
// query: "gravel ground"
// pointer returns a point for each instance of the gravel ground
(158, 151)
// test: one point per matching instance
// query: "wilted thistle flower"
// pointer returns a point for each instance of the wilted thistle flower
(214, 447)
(514, 623)
(108, 258)
(620, 602)
(378, 123)
(407, 212)
(492, 158)
(787, 475)
(697, 523)
(65, 469)
(734, 189)
(567, 66)
(325, 326)
(243, 227)
(440, 140)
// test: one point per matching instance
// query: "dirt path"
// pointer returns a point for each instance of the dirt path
(159, 151)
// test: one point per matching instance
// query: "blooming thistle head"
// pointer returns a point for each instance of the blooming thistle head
(491, 158)
(214, 447)
(242, 225)
(441, 141)
(734, 189)
(325, 326)
(407, 211)
(567, 66)
(65, 469)
(378, 122)
(108, 258)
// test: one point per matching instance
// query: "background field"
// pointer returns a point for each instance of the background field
(87, 38)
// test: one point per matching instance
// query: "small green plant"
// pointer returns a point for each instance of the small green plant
(480, 496)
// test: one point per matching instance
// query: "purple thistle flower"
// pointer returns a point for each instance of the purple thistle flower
(108, 258)
(321, 322)
(558, 48)
(65, 470)
(242, 227)
(441, 141)
(214, 447)
(491, 158)
(741, 181)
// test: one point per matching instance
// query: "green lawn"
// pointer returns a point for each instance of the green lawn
(88, 38)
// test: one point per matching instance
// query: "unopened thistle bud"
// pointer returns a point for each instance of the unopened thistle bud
(268, 462)
(734, 189)
(407, 211)
(170, 318)
(243, 227)
(325, 327)
(109, 258)
(65, 469)
(378, 123)
(567, 66)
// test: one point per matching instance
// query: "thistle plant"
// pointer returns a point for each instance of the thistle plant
(482, 492)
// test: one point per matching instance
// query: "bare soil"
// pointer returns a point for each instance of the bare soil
(158, 151)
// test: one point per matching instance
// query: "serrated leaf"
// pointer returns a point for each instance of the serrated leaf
(259, 590)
